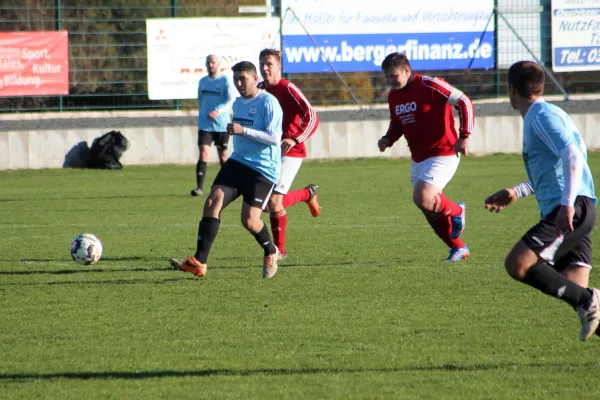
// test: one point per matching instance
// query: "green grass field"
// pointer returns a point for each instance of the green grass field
(362, 309)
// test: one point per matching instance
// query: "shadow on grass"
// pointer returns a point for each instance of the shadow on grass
(46, 260)
(85, 270)
(106, 282)
(267, 371)
(133, 196)
(82, 271)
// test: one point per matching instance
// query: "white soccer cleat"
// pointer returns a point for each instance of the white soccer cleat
(270, 264)
(589, 315)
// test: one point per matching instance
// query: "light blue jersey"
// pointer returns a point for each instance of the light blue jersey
(261, 115)
(215, 94)
(547, 131)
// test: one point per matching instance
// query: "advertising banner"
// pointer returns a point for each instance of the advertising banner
(177, 50)
(575, 35)
(34, 63)
(356, 36)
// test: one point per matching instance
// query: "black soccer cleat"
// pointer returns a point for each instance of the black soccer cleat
(312, 189)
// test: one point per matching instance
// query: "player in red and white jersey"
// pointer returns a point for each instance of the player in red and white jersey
(421, 111)
(300, 121)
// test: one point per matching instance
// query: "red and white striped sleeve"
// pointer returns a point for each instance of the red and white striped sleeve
(309, 119)
(456, 99)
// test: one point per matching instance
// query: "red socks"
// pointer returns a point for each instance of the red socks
(442, 226)
(278, 225)
(444, 205)
(296, 196)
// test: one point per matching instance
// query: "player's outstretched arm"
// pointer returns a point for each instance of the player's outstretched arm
(502, 198)
(505, 197)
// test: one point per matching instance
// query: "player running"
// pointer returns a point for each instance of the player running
(554, 256)
(421, 111)
(251, 172)
(300, 121)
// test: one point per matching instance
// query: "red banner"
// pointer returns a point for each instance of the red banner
(34, 63)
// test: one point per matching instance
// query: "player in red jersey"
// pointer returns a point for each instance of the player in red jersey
(421, 111)
(300, 121)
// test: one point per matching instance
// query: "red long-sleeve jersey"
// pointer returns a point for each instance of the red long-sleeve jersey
(300, 120)
(422, 112)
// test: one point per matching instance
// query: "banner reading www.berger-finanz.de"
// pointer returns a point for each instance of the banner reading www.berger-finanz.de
(356, 36)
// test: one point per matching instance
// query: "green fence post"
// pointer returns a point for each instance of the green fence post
(173, 15)
(58, 28)
(496, 66)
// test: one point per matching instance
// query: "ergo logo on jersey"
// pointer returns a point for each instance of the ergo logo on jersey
(406, 108)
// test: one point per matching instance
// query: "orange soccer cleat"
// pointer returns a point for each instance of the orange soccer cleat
(190, 265)
(313, 203)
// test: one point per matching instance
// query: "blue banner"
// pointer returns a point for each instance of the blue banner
(577, 56)
(365, 52)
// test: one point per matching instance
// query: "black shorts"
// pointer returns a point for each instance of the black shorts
(221, 139)
(254, 188)
(574, 248)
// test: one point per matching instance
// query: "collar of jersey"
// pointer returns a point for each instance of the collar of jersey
(409, 82)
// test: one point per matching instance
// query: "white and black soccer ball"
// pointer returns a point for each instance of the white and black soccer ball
(86, 249)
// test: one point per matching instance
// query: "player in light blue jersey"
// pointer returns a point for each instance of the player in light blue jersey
(554, 256)
(251, 172)
(216, 94)
(255, 121)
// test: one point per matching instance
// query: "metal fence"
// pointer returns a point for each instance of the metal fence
(108, 64)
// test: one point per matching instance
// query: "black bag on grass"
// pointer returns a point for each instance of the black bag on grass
(107, 150)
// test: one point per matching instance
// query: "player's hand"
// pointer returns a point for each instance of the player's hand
(383, 144)
(564, 219)
(461, 146)
(235, 129)
(502, 198)
(213, 114)
(287, 144)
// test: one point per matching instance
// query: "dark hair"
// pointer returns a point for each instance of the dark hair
(271, 52)
(395, 60)
(244, 66)
(527, 78)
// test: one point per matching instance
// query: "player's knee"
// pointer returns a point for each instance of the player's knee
(214, 202)
(246, 221)
(515, 266)
(204, 153)
(276, 202)
(424, 200)
(251, 224)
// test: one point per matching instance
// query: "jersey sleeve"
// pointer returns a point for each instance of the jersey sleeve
(553, 131)
(457, 99)
(394, 131)
(309, 119)
(273, 117)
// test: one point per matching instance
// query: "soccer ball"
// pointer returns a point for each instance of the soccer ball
(86, 249)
